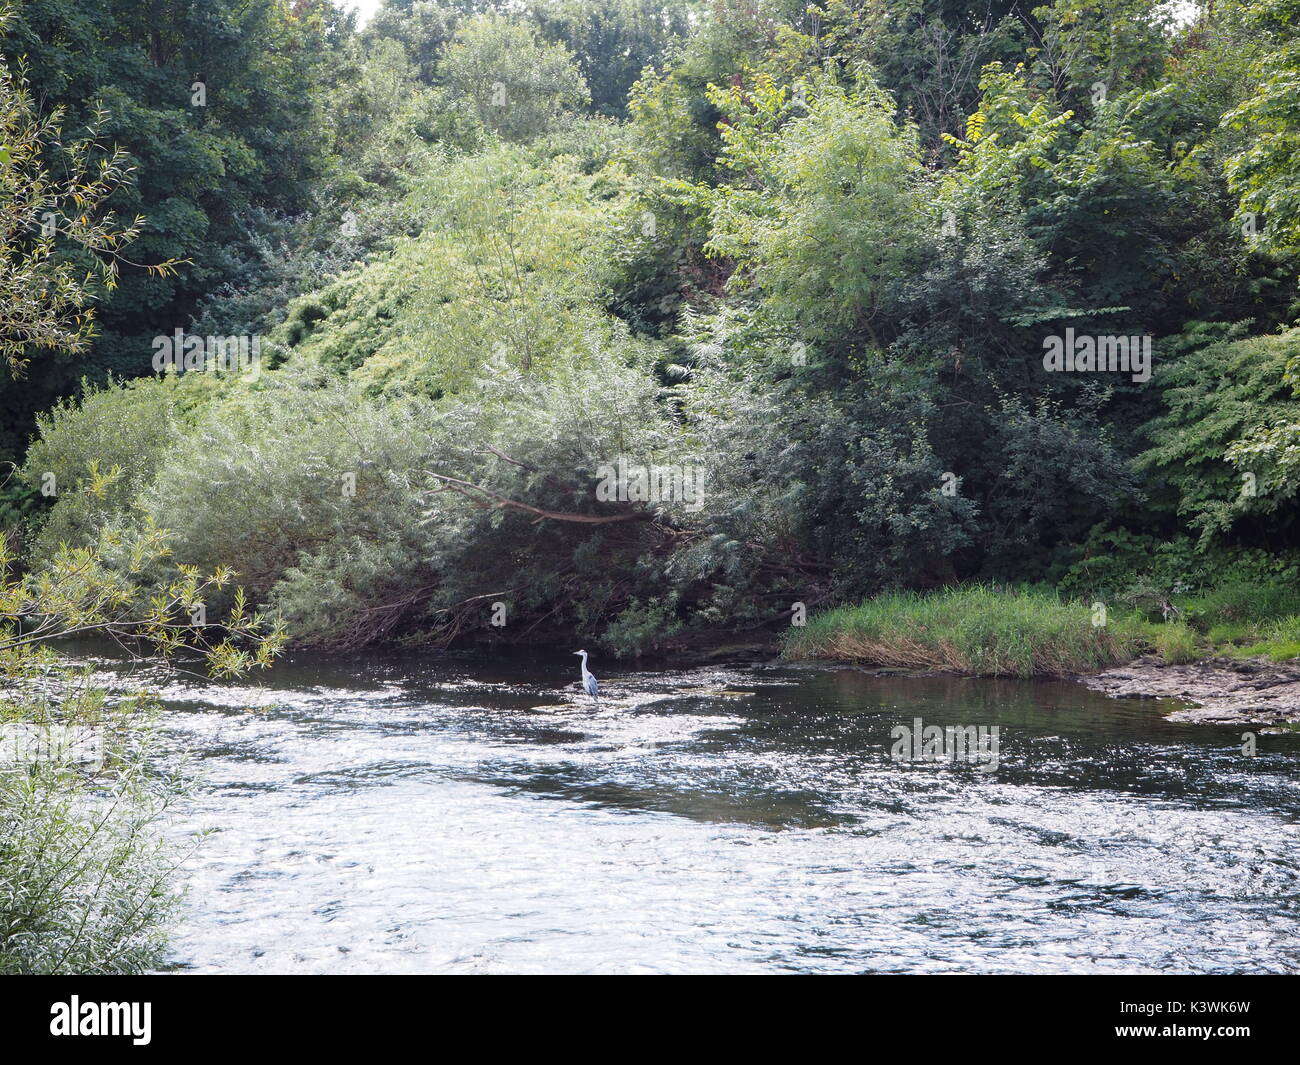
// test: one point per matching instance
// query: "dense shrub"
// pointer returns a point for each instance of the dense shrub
(87, 875)
(1224, 394)
(104, 449)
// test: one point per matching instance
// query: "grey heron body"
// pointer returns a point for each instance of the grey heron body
(589, 684)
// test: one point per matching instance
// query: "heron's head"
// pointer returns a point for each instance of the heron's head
(579, 652)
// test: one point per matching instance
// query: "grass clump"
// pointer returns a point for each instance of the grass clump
(1279, 641)
(972, 629)
(1176, 643)
(1249, 604)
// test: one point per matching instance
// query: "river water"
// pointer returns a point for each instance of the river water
(405, 813)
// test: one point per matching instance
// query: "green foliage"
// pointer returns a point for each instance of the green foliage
(1265, 174)
(517, 84)
(53, 196)
(257, 142)
(104, 590)
(87, 880)
(641, 627)
(1176, 643)
(1240, 602)
(971, 629)
(1118, 44)
(765, 427)
(824, 207)
(1222, 443)
(94, 469)
(817, 264)
(502, 274)
(1279, 641)
(421, 28)
(86, 873)
(300, 473)
(613, 41)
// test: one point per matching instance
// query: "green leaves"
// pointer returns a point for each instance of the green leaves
(54, 204)
(1265, 174)
(517, 84)
(104, 590)
(1230, 411)
(824, 207)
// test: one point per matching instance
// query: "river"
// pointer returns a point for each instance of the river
(410, 813)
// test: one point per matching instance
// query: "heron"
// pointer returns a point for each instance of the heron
(589, 684)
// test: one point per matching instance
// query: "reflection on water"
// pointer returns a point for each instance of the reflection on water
(410, 814)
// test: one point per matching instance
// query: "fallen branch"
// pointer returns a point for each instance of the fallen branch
(499, 502)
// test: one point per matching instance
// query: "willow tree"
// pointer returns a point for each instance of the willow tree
(60, 245)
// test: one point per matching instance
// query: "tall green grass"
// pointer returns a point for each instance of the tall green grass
(1253, 604)
(972, 629)
(1247, 618)
(1278, 640)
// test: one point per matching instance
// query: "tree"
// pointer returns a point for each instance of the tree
(53, 202)
(613, 41)
(518, 84)
(824, 209)
(219, 109)
(1265, 174)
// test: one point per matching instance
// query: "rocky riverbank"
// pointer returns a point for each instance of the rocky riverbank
(1253, 691)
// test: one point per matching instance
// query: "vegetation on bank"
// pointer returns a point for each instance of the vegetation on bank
(87, 874)
(973, 629)
(765, 254)
(986, 631)
(805, 258)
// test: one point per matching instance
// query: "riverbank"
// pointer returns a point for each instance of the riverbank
(974, 629)
(1225, 691)
(1229, 654)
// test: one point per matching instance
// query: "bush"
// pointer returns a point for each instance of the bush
(104, 448)
(301, 486)
(502, 271)
(85, 871)
(86, 876)
(641, 627)
(1222, 394)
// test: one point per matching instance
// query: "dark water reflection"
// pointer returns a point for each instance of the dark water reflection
(410, 814)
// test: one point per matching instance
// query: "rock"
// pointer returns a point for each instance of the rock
(1216, 687)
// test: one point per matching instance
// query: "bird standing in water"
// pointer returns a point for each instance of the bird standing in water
(589, 684)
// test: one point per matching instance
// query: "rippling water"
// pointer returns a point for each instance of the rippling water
(412, 814)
